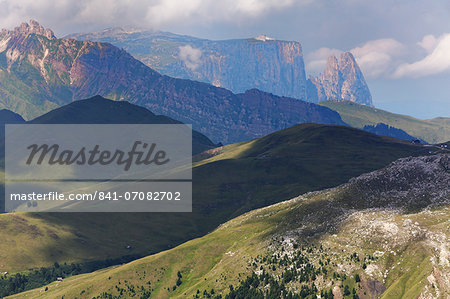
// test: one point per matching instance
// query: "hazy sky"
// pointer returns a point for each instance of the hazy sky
(403, 47)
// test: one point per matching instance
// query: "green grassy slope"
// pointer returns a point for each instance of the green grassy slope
(243, 177)
(432, 131)
(395, 254)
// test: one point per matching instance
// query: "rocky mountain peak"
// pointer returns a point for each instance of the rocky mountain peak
(33, 27)
(349, 67)
(342, 80)
(332, 64)
(347, 58)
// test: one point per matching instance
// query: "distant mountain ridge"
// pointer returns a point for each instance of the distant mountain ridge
(268, 64)
(9, 117)
(261, 62)
(386, 130)
(432, 130)
(40, 72)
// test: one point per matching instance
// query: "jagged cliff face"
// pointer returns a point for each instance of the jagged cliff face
(267, 64)
(39, 72)
(342, 80)
(270, 65)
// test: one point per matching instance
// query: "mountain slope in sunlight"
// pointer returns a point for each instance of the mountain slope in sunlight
(233, 180)
(383, 234)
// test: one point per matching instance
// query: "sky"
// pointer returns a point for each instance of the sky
(402, 47)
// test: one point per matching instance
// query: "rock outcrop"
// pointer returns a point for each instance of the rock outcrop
(26, 29)
(342, 80)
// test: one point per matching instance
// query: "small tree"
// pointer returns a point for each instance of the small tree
(346, 290)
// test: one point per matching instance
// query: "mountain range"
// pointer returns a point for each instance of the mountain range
(261, 62)
(39, 72)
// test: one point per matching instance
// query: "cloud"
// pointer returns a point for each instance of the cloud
(164, 12)
(428, 42)
(376, 58)
(88, 14)
(190, 56)
(436, 62)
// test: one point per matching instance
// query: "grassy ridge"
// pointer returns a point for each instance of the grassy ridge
(432, 131)
(237, 179)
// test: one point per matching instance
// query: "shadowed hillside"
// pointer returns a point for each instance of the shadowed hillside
(233, 180)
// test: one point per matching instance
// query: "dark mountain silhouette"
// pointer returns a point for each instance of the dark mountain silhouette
(98, 110)
(386, 130)
(9, 117)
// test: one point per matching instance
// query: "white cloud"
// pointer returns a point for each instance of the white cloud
(64, 14)
(163, 12)
(428, 42)
(190, 56)
(376, 58)
(436, 62)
